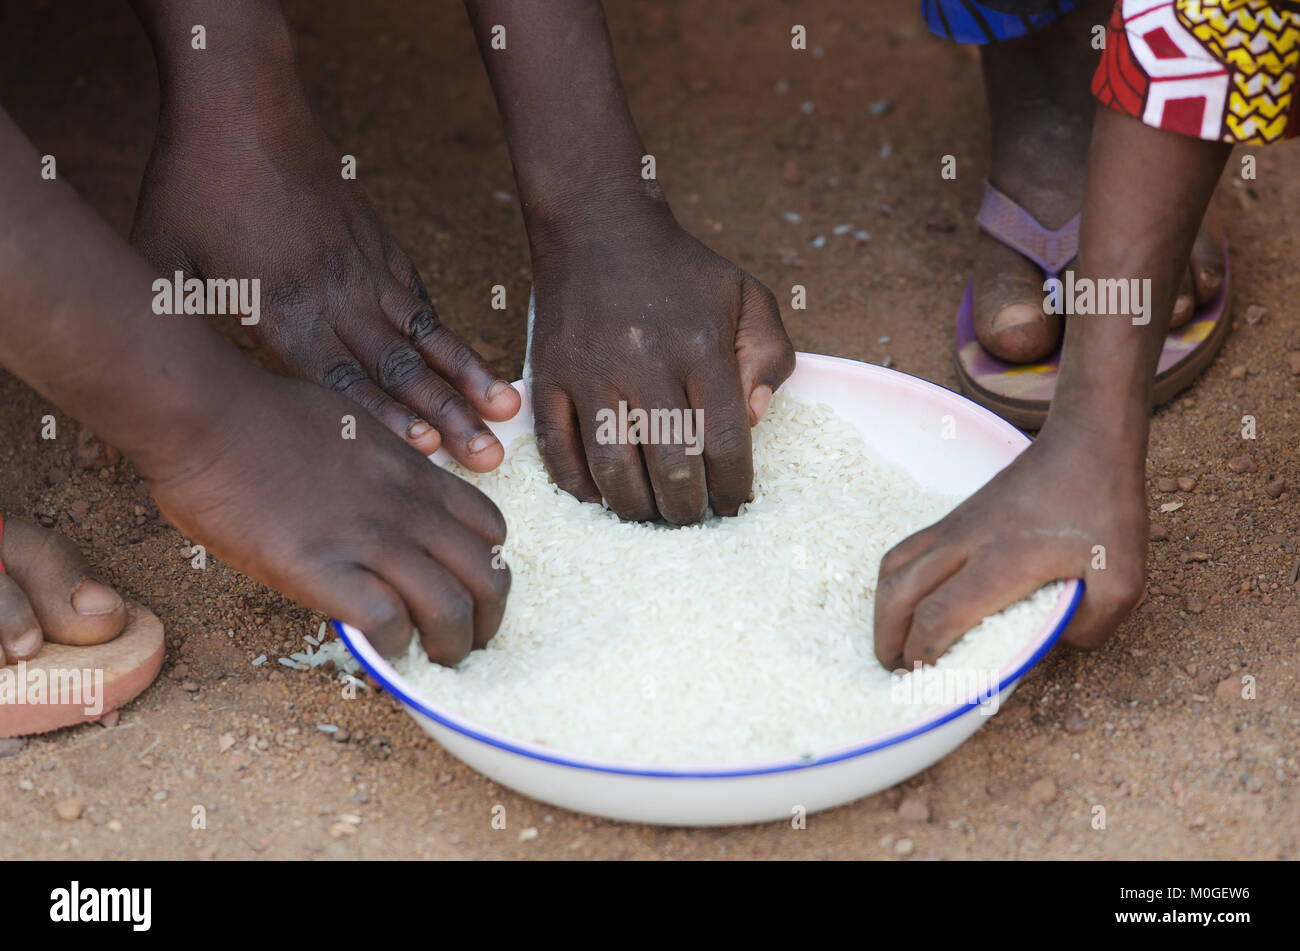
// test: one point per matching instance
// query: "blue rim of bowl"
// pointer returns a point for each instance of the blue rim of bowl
(420, 706)
(835, 756)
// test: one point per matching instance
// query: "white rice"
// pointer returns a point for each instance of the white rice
(737, 640)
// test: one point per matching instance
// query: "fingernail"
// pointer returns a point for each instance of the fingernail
(417, 428)
(28, 643)
(496, 389)
(481, 442)
(758, 401)
(92, 598)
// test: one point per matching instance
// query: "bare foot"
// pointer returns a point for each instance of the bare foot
(49, 593)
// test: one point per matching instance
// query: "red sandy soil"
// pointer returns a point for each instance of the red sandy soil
(1152, 728)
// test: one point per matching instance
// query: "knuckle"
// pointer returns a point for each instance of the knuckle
(930, 617)
(446, 404)
(420, 326)
(729, 444)
(343, 376)
(399, 367)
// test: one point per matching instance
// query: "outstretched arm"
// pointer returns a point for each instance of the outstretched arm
(1080, 485)
(629, 308)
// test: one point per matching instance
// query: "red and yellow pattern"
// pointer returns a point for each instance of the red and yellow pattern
(1223, 70)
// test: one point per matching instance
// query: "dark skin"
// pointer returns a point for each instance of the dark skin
(249, 464)
(629, 306)
(1041, 115)
(243, 181)
(1081, 482)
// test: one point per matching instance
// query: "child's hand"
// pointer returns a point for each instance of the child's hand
(1039, 519)
(632, 308)
(362, 528)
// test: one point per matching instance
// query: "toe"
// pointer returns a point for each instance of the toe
(20, 634)
(1207, 264)
(1010, 322)
(71, 606)
(1185, 302)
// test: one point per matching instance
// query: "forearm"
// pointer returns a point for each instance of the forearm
(1146, 194)
(572, 139)
(76, 321)
(247, 62)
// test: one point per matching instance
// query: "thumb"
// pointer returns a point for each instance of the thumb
(764, 353)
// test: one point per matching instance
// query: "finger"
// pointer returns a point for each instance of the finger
(899, 592)
(719, 407)
(984, 585)
(1207, 263)
(675, 468)
(450, 357)
(1109, 596)
(467, 505)
(341, 373)
(482, 571)
(399, 370)
(442, 609)
(559, 441)
(910, 547)
(1185, 302)
(763, 350)
(615, 463)
(359, 597)
(20, 633)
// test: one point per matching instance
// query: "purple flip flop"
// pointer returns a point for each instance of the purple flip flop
(1022, 393)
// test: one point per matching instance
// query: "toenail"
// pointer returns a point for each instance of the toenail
(28, 643)
(1209, 277)
(92, 598)
(417, 428)
(496, 389)
(1183, 306)
(1010, 318)
(480, 442)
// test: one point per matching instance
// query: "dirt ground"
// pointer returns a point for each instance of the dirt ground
(1152, 728)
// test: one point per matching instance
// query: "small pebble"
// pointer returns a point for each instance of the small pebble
(1157, 532)
(792, 216)
(1042, 792)
(527, 835)
(1171, 507)
(819, 241)
(904, 847)
(1275, 487)
(1237, 372)
(1242, 464)
(1194, 604)
(1186, 483)
(1228, 689)
(880, 107)
(1255, 314)
(11, 746)
(69, 809)
(26, 785)
(883, 340)
(791, 174)
(808, 107)
(190, 686)
(914, 808)
(1075, 723)
(1166, 485)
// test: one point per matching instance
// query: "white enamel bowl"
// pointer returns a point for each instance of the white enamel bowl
(903, 419)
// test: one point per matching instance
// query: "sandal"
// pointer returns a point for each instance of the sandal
(1022, 392)
(67, 684)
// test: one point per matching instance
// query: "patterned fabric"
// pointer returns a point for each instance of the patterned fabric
(988, 21)
(1223, 70)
